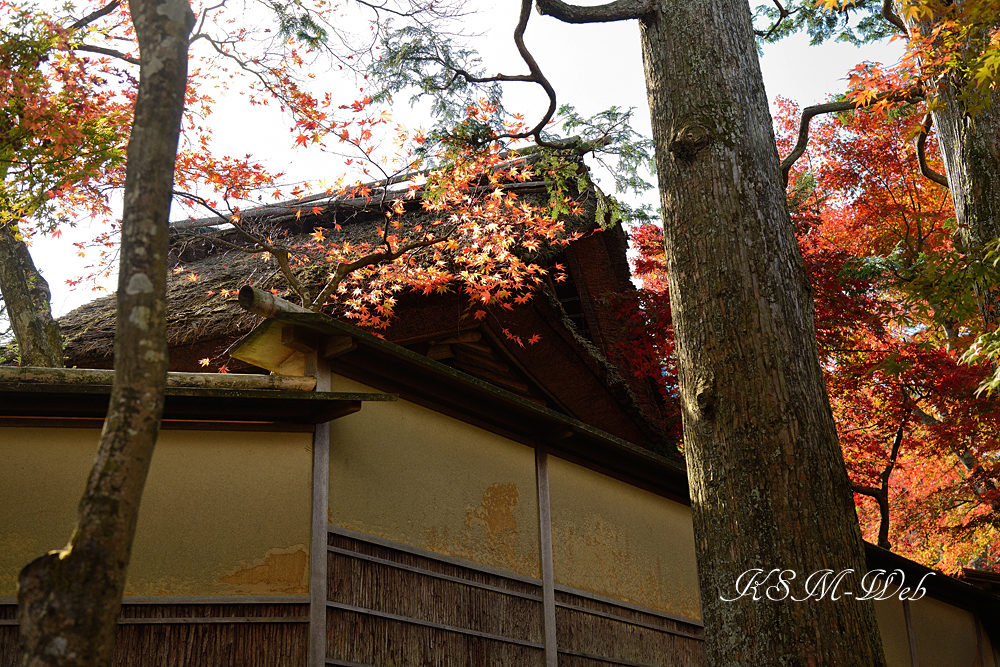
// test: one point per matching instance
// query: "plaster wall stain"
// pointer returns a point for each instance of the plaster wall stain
(496, 512)
(489, 534)
(284, 571)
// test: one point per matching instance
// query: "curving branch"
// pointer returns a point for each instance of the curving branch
(925, 169)
(619, 10)
(892, 17)
(261, 244)
(106, 52)
(535, 75)
(833, 107)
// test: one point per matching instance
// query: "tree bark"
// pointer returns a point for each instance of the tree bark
(970, 147)
(769, 488)
(29, 304)
(69, 600)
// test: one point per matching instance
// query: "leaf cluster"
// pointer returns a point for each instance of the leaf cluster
(857, 22)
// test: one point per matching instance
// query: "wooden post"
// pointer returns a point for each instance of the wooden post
(545, 535)
(910, 634)
(980, 643)
(320, 511)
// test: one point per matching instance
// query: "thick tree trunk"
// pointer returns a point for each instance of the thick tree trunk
(970, 149)
(970, 146)
(69, 600)
(29, 304)
(769, 487)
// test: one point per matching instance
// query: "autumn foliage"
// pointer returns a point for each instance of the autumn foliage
(894, 311)
(64, 123)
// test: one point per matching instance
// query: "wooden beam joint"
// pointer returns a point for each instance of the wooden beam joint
(334, 346)
(299, 339)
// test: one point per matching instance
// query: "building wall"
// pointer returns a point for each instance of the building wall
(892, 627)
(945, 635)
(223, 513)
(411, 475)
(616, 540)
(414, 476)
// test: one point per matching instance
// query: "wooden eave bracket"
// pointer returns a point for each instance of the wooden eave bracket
(281, 347)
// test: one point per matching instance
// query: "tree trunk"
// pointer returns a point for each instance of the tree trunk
(769, 488)
(29, 304)
(69, 600)
(970, 147)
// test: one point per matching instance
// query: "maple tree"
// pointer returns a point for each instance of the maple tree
(69, 600)
(62, 130)
(458, 225)
(953, 62)
(894, 313)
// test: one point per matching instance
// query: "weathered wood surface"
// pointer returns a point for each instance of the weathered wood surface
(167, 634)
(396, 606)
(92, 377)
(451, 622)
(619, 635)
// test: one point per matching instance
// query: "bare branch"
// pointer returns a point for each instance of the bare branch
(869, 491)
(892, 17)
(619, 10)
(894, 453)
(106, 52)
(783, 13)
(93, 16)
(881, 494)
(384, 8)
(261, 245)
(282, 256)
(834, 107)
(925, 168)
(535, 75)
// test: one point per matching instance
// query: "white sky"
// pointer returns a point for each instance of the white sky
(591, 67)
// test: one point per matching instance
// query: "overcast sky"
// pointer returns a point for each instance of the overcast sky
(591, 67)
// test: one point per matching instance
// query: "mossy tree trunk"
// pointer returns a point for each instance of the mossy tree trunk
(28, 302)
(69, 600)
(970, 146)
(769, 488)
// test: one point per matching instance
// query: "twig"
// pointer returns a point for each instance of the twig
(375, 258)
(783, 13)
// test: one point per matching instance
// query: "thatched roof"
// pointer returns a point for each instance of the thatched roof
(567, 372)
(206, 271)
